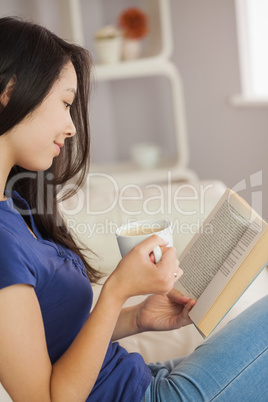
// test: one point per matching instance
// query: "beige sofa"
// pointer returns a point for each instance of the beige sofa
(98, 209)
(186, 205)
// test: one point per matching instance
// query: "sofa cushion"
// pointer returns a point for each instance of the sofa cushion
(97, 211)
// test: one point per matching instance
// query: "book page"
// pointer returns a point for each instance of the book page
(221, 250)
(226, 271)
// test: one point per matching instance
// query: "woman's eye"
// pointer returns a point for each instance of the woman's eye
(67, 105)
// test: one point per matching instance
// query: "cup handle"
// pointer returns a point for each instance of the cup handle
(157, 254)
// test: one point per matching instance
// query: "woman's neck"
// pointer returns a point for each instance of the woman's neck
(2, 187)
(5, 167)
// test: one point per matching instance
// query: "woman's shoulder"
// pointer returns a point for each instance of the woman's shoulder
(15, 264)
(8, 236)
(13, 228)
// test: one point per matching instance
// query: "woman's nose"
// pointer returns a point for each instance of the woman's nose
(70, 129)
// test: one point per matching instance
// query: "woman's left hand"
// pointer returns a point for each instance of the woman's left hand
(164, 312)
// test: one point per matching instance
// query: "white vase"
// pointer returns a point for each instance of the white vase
(109, 51)
(131, 49)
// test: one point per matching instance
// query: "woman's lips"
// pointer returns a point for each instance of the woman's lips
(58, 147)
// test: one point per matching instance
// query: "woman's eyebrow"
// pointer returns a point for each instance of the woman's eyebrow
(73, 90)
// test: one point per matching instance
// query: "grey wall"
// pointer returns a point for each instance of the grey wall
(226, 142)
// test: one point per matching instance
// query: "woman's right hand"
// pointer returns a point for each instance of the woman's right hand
(136, 274)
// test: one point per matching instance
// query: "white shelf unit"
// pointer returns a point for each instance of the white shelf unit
(154, 62)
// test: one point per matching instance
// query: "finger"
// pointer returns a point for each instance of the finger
(177, 297)
(150, 243)
(169, 262)
(178, 273)
(188, 307)
(169, 255)
(152, 256)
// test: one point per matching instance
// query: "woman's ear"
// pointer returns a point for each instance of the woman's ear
(6, 95)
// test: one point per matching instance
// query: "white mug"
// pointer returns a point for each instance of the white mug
(129, 235)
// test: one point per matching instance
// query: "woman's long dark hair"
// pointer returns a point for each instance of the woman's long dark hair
(36, 58)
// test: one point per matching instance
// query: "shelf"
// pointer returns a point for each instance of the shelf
(156, 67)
(154, 62)
(158, 43)
(138, 68)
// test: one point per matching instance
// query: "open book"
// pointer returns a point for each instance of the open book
(222, 260)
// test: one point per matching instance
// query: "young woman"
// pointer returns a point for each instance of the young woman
(51, 347)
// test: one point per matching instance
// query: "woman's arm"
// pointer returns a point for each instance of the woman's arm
(127, 323)
(25, 368)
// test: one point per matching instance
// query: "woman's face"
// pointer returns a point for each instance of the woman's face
(35, 141)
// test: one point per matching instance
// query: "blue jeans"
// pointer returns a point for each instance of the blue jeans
(230, 366)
